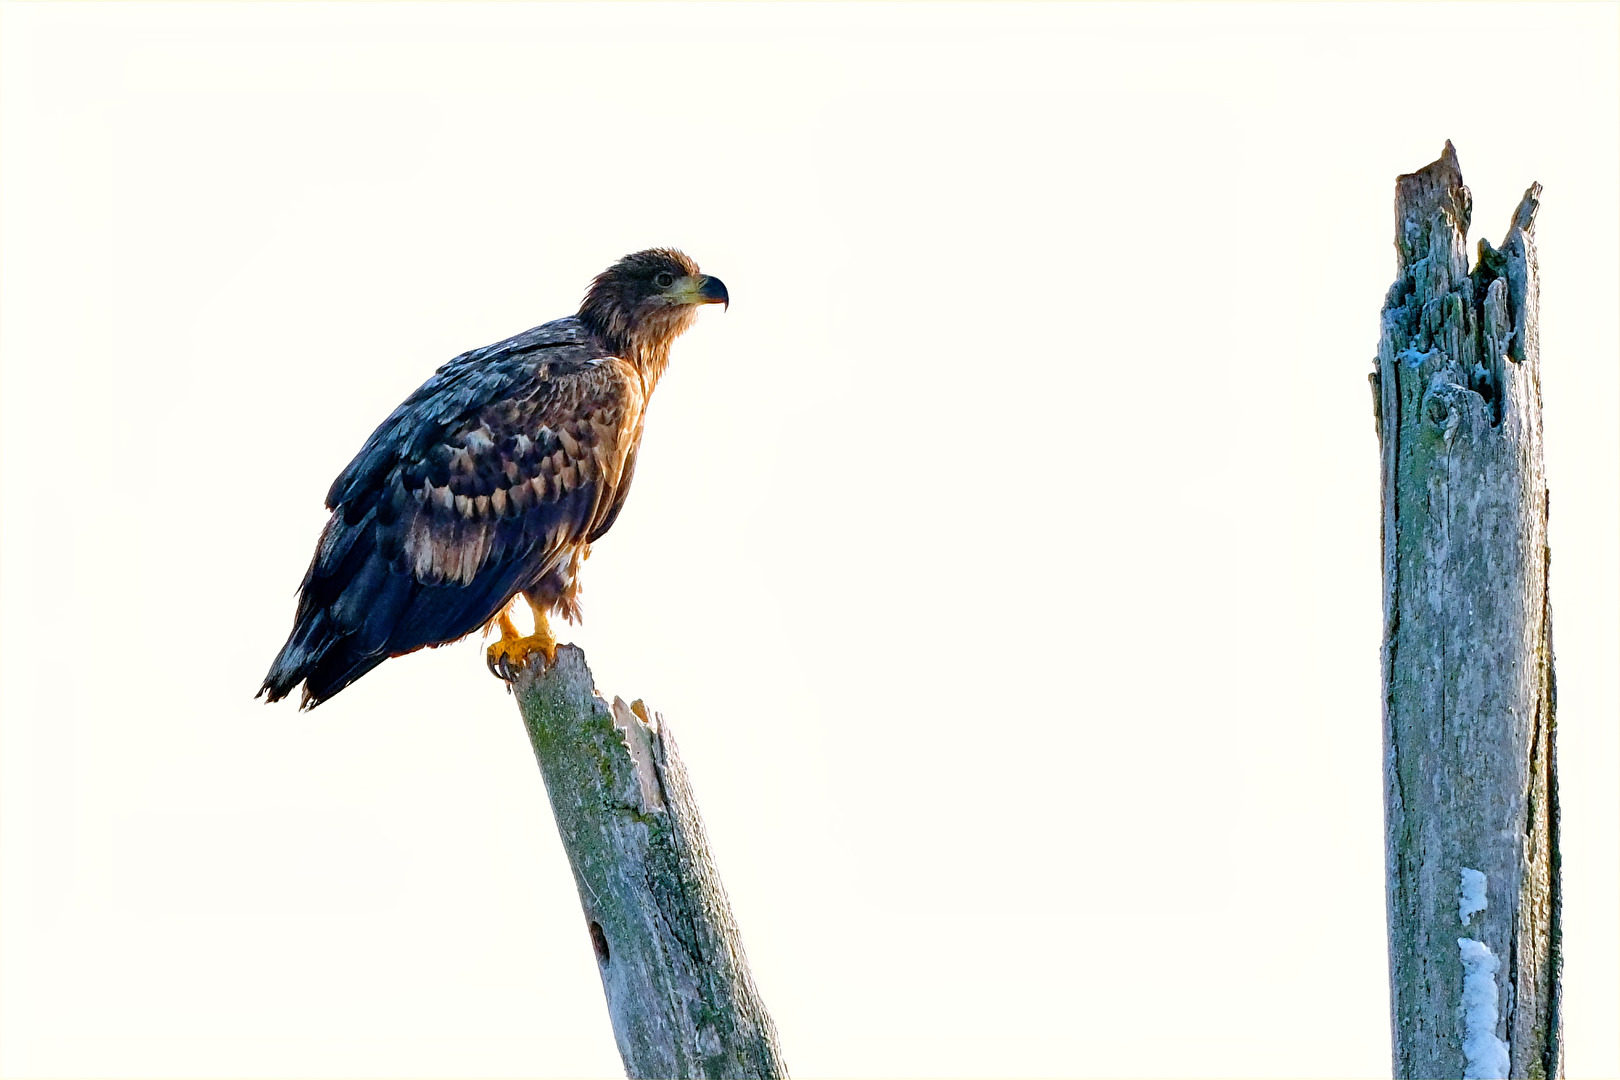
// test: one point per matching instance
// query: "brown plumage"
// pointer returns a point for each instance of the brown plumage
(492, 480)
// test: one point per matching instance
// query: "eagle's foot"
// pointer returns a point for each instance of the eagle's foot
(513, 653)
(509, 656)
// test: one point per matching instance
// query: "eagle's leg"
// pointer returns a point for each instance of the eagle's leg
(513, 652)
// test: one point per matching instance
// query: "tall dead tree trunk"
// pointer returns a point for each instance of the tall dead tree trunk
(678, 989)
(1471, 793)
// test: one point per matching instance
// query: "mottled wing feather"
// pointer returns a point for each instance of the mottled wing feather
(466, 383)
(471, 491)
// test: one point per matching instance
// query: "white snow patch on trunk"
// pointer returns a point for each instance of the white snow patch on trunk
(1470, 894)
(1485, 1057)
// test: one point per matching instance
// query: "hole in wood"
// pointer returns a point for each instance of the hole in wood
(599, 943)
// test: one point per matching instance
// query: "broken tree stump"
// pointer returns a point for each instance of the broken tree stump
(1471, 791)
(678, 989)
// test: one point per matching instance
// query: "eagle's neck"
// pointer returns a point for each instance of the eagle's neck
(644, 343)
(651, 360)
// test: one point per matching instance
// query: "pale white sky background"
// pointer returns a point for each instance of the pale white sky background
(1005, 560)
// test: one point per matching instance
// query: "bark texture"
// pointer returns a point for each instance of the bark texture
(678, 988)
(1470, 777)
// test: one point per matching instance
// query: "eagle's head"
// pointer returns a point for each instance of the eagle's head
(644, 301)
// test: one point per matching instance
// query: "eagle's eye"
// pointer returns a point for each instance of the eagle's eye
(663, 279)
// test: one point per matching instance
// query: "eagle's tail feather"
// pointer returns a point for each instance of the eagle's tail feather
(336, 645)
(321, 657)
(343, 632)
(372, 605)
(310, 640)
(333, 672)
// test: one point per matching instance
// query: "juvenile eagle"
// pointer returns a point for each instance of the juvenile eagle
(491, 480)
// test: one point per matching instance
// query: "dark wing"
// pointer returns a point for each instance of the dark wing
(469, 492)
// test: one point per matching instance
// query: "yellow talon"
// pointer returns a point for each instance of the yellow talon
(510, 655)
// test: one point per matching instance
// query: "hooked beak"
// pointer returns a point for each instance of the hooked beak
(711, 290)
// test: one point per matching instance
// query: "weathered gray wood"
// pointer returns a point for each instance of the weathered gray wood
(1470, 780)
(678, 989)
